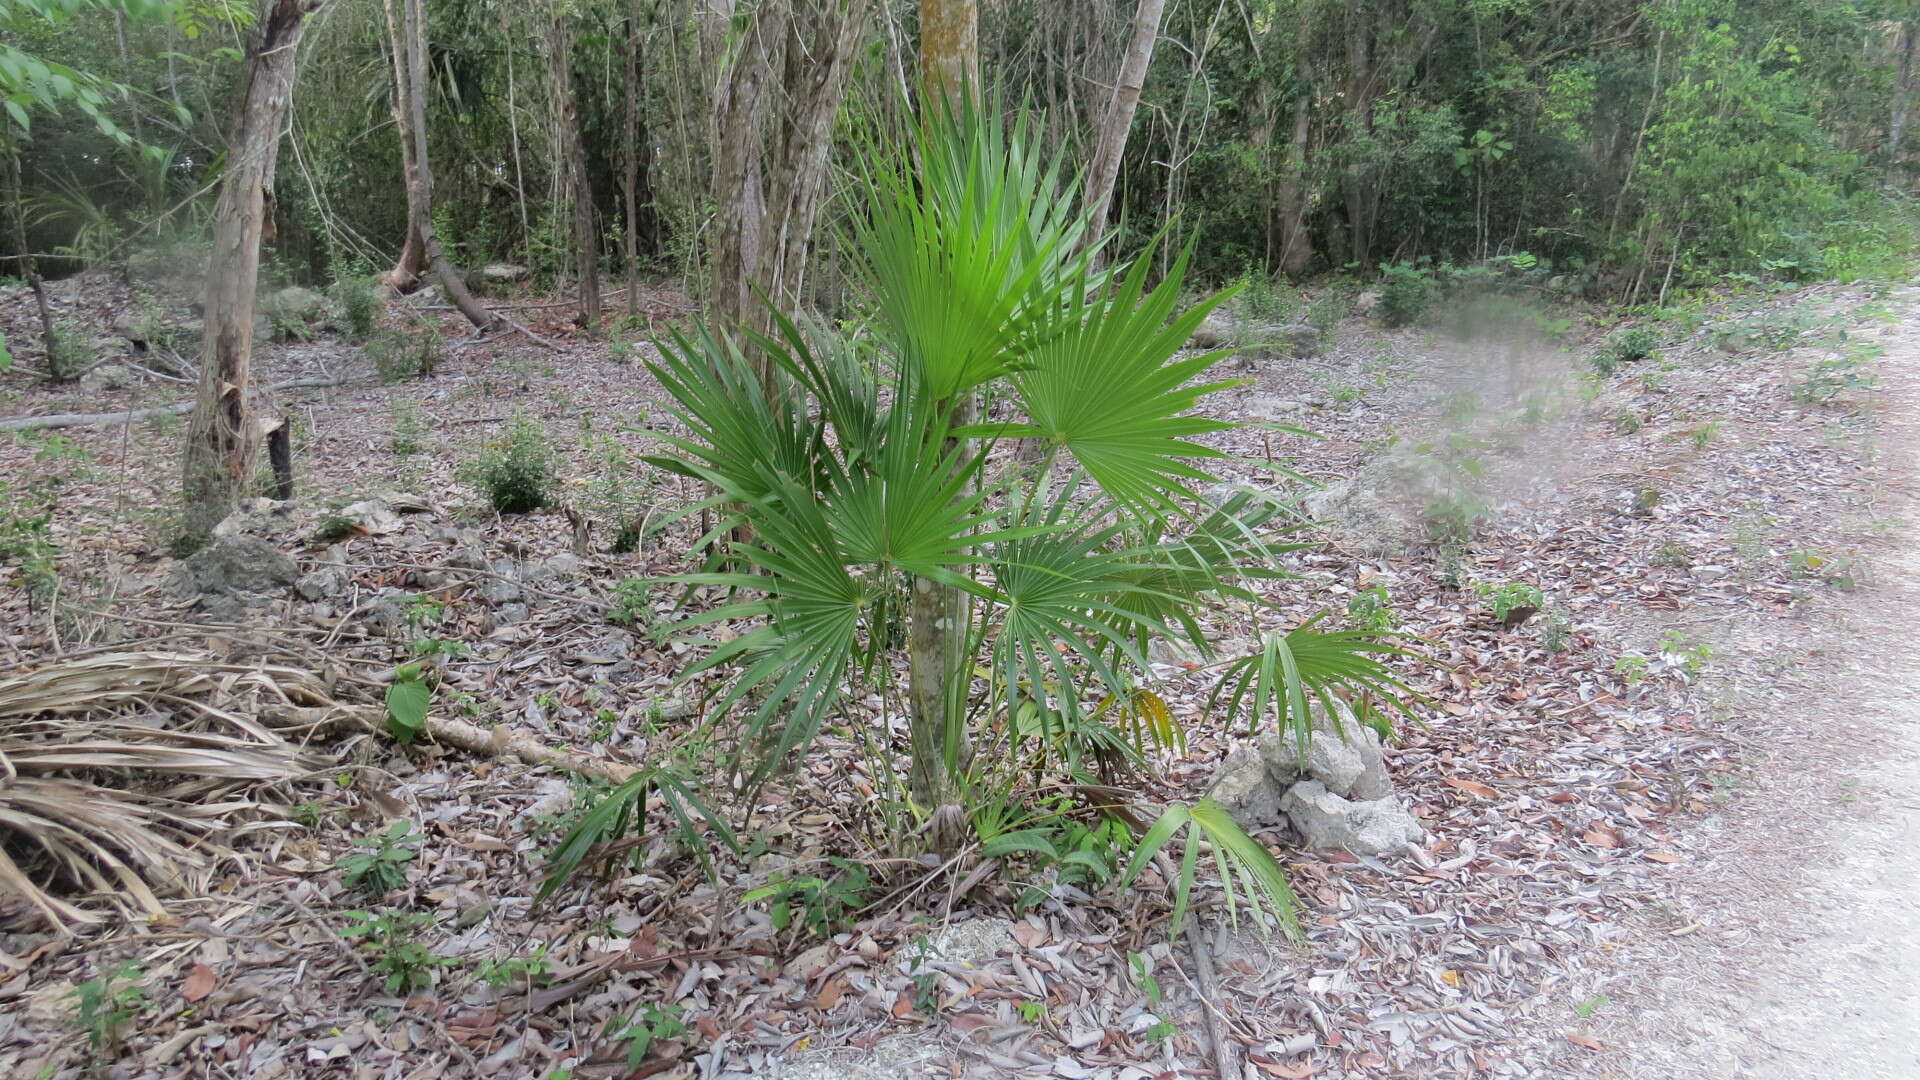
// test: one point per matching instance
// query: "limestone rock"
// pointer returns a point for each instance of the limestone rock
(1246, 789)
(258, 517)
(107, 377)
(1369, 827)
(1281, 341)
(238, 563)
(501, 273)
(322, 584)
(1215, 332)
(295, 302)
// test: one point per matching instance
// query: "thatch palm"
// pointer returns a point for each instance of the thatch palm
(862, 477)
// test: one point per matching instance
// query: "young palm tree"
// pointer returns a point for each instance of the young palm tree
(870, 495)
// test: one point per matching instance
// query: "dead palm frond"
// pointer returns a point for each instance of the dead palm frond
(124, 774)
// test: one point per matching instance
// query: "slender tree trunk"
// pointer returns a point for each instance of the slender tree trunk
(412, 55)
(1361, 87)
(513, 138)
(736, 262)
(1902, 96)
(1118, 122)
(630, 174)
(222, 435)
(586, 247)
(816, 84)
(17, 193)
(412, 262)
(937, 615)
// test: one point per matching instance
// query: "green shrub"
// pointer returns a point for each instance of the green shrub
(409, 435)
(1406, 291)
(516, 473)
(400, 354)
(1626, 347)
(70, 357)
(354, 295)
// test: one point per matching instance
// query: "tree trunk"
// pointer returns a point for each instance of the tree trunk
(1902, 96)
(1105, 170)
(630, 174)
(18, 192)
(410, 56)
(222, 435)
(816, 84)
(937, 615)
(1361, 192)
(586, 247)
(739, 145)
(1296, 244)
(412, 263)
(949, 50)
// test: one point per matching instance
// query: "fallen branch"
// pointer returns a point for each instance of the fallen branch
(66, 420)
(487, 742)
(1227, 1059)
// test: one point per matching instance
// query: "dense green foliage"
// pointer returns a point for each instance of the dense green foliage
(1630, 146)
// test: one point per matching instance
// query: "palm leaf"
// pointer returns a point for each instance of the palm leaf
(1107, 388)
(1250, 876)
(966, 246)
(624, 809)
(1306, 665)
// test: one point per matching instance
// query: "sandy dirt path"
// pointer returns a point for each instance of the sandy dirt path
(1801, 957)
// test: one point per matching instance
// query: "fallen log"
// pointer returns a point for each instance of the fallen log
(65, 420)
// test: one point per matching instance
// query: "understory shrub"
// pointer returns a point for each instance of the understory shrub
(515, 473)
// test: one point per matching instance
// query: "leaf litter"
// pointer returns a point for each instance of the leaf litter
(1556, 787)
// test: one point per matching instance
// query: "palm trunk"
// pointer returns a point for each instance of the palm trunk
(937, 668)
(1105, 171)
(222, 435)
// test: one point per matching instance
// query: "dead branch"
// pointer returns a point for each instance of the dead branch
(66, 420)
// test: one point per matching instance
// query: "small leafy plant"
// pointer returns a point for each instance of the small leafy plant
(407, 700)
(640, 1029)
(522, 971)
(1628, 346)
(1512, 602)
(1632, 669)
(104, 1004)
(409, 432)
(516, 473)
(1371, 610)
(631, 603)
(394, 950)
(824, 905)
(1684, 653)
(70, 357)
(380, 866)
(1406, 291)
